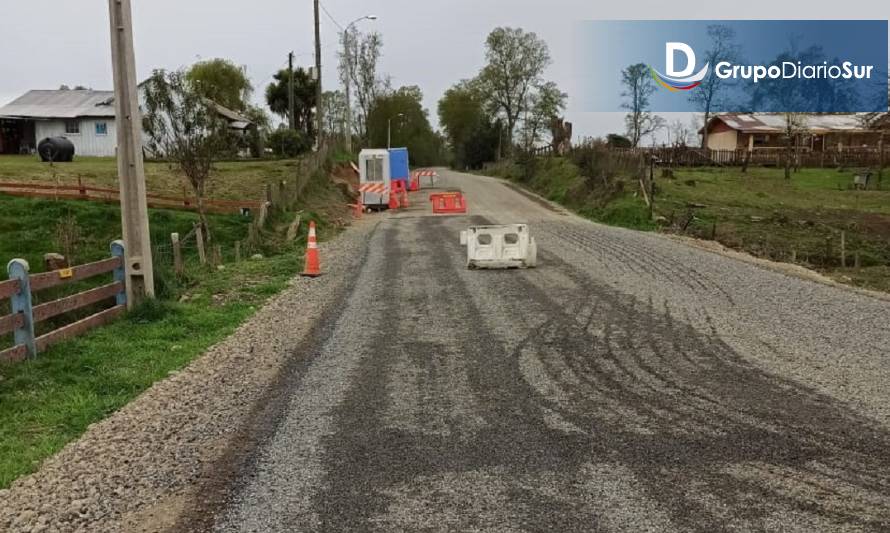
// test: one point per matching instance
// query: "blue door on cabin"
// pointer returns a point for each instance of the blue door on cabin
(398, 164)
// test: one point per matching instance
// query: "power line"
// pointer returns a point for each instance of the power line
(328, 13)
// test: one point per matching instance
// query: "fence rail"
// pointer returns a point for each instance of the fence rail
(688, 156)
(24, 316)
(99, 194)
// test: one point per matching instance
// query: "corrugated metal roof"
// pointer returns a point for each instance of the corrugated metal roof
(775, 123)
(60, 104)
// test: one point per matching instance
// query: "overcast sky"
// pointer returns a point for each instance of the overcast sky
(427, 43)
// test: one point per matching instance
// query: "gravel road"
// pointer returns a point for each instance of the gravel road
(630, 383)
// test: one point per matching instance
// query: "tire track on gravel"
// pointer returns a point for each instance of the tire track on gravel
(748, 415)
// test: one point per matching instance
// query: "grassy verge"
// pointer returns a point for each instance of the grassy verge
(799, 220)
(560, 180)
(759, 212)
(47, 402)
(232, 180)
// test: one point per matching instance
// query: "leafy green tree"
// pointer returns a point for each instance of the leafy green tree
(304, 99)
(184, 126)
(410, 125)
(545, 105)
(516, 60)
(286, 142)
(461, 114)
(222, 81)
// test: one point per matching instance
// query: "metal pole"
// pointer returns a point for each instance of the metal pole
(130, 166)
(290, 92)
(389, 133)
(319, 103)
(348, 102)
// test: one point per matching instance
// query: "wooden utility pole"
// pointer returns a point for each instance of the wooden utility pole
(319, 105)
(290, 92)
(130, 167)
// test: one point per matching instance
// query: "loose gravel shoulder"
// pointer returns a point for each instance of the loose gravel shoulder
(134, 471)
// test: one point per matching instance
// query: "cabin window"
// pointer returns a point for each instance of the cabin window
(72, 127)
(374, 169)
(101, 128)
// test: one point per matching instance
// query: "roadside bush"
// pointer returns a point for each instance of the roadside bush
(288, 143)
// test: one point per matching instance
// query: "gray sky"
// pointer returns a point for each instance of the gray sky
(427, 43)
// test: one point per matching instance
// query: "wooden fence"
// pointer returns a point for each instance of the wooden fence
(21, 286)
(693, 157)
(82, 192)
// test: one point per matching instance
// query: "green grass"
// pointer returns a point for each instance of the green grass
(46, 403)
(49, 401)
(758, 212)
(231, 180)
(799, 219)
(559, 180)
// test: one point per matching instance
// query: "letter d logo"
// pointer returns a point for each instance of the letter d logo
(670, 51)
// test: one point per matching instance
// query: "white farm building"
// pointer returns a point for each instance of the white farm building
(83, 116)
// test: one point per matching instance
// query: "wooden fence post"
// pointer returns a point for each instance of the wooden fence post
(843, 249)
(217, 255)
(21, 303)
(199, 238)
(237, 251)
(120, 273)
(177, 253)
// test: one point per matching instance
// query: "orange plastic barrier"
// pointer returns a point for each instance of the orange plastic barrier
(448, 202)
(398, 192)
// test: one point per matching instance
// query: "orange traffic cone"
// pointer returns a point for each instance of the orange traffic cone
(313, 268)
(393, 199)
(405, 197)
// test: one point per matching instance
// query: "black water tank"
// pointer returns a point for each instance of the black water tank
(57, 149)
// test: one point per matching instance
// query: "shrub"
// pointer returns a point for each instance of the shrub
(288, 143)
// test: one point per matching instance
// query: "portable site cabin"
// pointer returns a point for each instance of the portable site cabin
(374, 170)
(379, 166)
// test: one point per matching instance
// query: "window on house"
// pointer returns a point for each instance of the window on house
(101, 128)
(72, 127)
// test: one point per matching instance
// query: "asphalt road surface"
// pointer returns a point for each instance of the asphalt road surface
(629, 383)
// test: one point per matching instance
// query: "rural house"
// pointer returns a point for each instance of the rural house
(84, 116)
(738, 131)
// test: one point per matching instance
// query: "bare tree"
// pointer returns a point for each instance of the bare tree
(638, 87)
(360, 68)
(793, 131)
(680, 133)
(185, 128)
(516, 62)
(711, 93)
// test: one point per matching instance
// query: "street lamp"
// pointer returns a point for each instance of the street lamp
(349, 66)
(389, 129)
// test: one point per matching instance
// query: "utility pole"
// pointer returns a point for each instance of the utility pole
(319, 104)
(130, 166)
(290, 92)
(346, 50)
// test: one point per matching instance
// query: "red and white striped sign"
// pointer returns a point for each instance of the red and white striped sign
(378, 188)
(425, 173)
